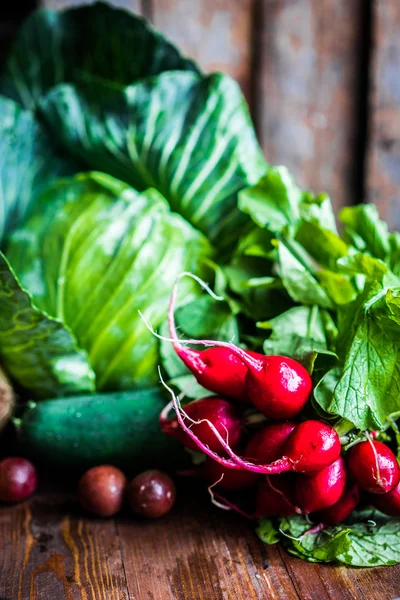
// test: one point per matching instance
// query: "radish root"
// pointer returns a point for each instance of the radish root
(247, 359)
(221, 502)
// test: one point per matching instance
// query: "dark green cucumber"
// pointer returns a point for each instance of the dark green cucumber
(82, 431)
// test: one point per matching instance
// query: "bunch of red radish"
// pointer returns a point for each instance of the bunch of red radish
(288, 466)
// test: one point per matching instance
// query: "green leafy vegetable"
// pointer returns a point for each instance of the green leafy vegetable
(368, 388)
(188, 136)
(36, 349)
(83, 43)
(267, 532)
(299, 281)
(350, 279)
(367, 539)
(365, 230)
(92, 253)
(29, 161)
(302, 333)
(274, 201)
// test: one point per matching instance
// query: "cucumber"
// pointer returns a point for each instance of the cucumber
(79, 432)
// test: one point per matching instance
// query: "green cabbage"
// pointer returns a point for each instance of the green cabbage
(91, 254)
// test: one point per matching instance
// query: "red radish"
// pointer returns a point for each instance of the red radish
(388, 503)
(374, 467)
(311, 446)
(321, 489)
(275, 497)
(216, 369)
(279, 387)
(268, 443)
(343, 507)
(199, 415)
(18, 479)
(228, 479)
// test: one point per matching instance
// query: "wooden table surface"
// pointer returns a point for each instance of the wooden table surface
(49, 550)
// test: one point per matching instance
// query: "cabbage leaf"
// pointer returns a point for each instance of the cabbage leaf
(188, 136)
(29, 161)
(92, 253)
(37, 350)
(85, 43)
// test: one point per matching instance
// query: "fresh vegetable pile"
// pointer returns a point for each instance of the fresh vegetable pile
(123, 166)
(302, 472)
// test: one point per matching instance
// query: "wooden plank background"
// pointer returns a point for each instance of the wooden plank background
(321, 78)
(51, 551)
(383, 168)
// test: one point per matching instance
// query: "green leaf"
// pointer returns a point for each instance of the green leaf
(257, 242)
(372, 268)
(188, 136)
(325, 388)
(367, 539)
(267, 532)
(325, 246)
(338, 287)
(302, 333)
(38, 351)
(394, 259)
(362, 223)
(303, 349)
(368, 388)
(29, 161)
(245, 269)
(262, 296)
(318, 211)
(322, 547)
(387, 311)
(81, 43)
(207, 318)
(299, 282)
(272, 203)
(279, 205)
(304, 321)
(375, 540)
(93, 253)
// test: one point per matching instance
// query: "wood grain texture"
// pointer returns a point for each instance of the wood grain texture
(216, 33)
(383, 181)
(307, 90)
(51, 551)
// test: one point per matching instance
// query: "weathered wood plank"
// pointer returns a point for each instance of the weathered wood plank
(216, 33)
(134, 5)
(383, 175)
(198, 552)
(50, 550)
(307, 90)
(47, 553)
